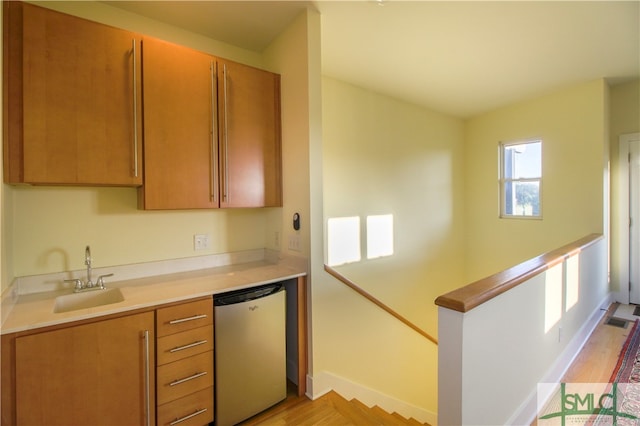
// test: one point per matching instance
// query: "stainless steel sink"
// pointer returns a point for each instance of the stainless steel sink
(89, 299)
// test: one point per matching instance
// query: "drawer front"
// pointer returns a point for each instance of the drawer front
(186, 316)
(192, 410)
(183, 345)
(184, 377)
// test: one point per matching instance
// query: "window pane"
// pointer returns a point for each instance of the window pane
(523, 160)
(522, 198)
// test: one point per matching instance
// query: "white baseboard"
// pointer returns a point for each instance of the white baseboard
(528, 410)
(324, 382)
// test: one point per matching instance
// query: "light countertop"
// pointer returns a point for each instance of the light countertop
(35, 310)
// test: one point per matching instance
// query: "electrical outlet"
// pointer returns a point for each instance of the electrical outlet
(294, 242)
(201, 242)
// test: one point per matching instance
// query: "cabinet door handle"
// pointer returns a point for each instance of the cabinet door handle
(214, 133)
(147, 378)
(193, 318)
(190, 345)
(186, 379)
(135, 112)
(225, 194)
(182, 419)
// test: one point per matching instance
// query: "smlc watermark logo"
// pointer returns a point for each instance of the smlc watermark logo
(588, 404)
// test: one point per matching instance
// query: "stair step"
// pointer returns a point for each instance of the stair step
(329, 410)
(389, 418)
(350, 411)
(379, 417)
(399, 417)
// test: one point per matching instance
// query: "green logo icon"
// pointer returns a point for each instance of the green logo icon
(593, 403)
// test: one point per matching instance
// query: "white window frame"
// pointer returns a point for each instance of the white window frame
(502, 181)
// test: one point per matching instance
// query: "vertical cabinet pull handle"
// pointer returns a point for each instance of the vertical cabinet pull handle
(135, 112)
(147, 378)
(214, 133)
(226, 139)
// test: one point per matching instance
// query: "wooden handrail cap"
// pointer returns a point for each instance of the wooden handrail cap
(475, 294)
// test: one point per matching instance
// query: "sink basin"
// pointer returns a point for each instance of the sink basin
(89, 299)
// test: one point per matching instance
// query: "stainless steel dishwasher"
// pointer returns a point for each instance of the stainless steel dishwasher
(250, 352)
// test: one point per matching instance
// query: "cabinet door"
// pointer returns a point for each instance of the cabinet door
(179, 144)
(79, 101)
(250, 157)
(92, 374)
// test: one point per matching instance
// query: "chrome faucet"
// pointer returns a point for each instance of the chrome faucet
(87, 261)
(80, 285)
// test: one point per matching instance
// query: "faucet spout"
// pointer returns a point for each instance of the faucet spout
(87, 261)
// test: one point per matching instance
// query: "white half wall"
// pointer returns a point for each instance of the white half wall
(492, 357)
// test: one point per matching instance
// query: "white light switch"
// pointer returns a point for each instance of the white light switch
(294, 242)
(201, 242)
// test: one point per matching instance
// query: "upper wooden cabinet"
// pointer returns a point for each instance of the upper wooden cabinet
(249, 136)
(180, 148)
(71, 107)
(75, 95)
(212, 131)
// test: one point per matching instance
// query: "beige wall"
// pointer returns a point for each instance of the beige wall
(51, 227)
(384, 156)
(286, 55)
(625, 119)
(572, 124)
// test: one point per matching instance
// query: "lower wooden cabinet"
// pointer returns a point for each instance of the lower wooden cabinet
(145, 368)
(100, 373)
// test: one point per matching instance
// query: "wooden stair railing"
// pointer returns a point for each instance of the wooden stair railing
(475, 294)
(378, 303)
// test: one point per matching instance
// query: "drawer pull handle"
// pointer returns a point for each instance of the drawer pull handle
(190, 345)
(182, 419)
(195, 317)
(186, 379)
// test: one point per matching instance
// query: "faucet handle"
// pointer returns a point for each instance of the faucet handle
(77, 282)
(100, 282)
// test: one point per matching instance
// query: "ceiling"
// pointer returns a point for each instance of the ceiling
(456, 57)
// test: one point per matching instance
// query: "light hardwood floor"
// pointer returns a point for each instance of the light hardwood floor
(599, 356)
(594, 364)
